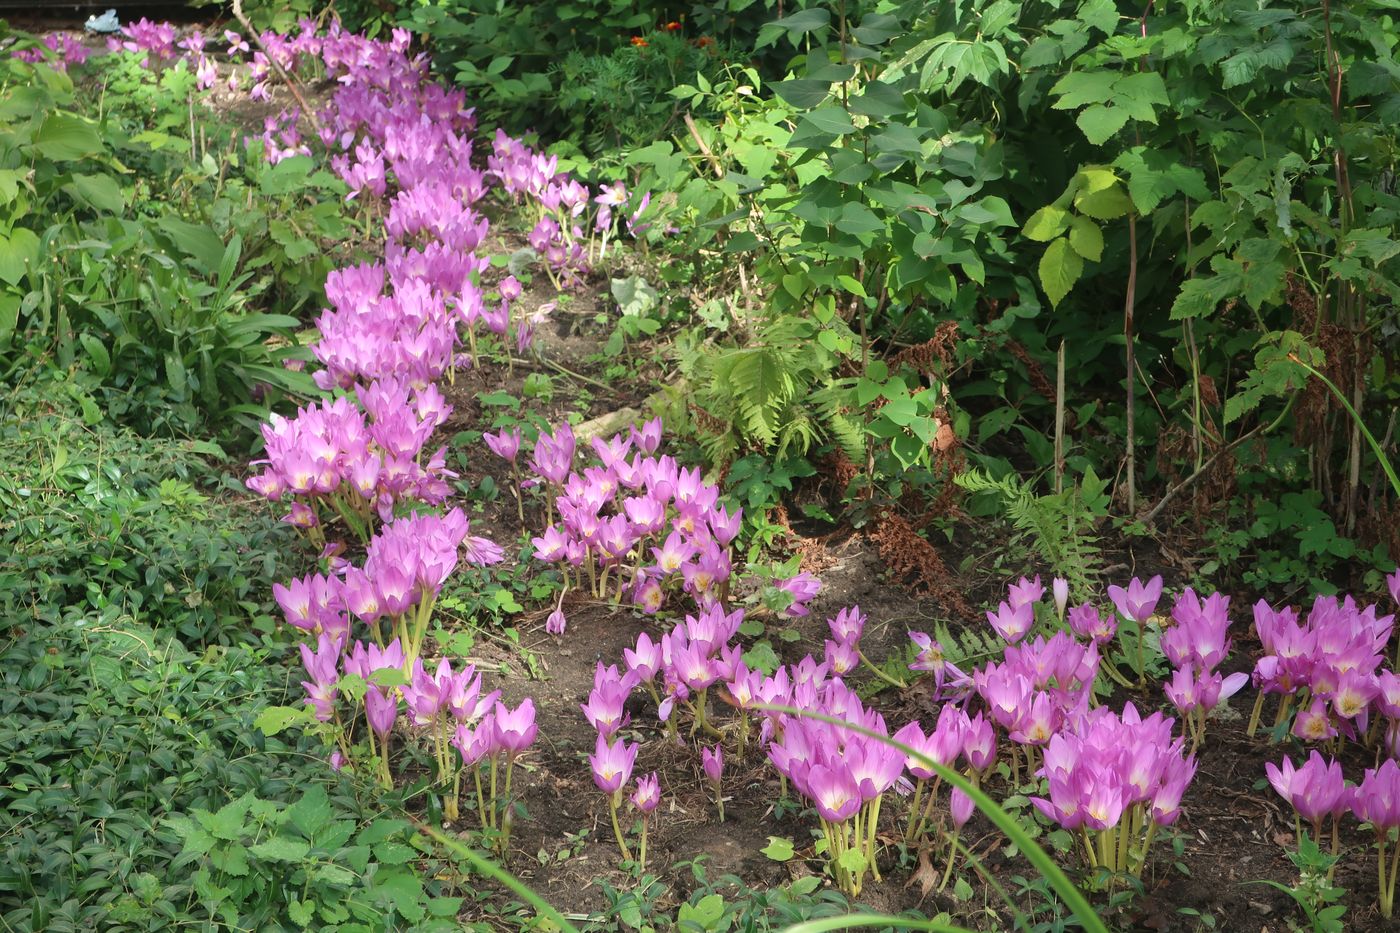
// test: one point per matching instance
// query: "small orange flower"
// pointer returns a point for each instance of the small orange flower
(673, 26)
(639, 42)
(704, 42)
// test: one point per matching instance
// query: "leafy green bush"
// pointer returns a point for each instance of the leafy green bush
(969, 186)
(153, 280)
(98, 518)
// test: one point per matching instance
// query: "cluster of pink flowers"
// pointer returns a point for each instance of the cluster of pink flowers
(406, 564)
(563, 236)
(1116, 778)
(640, 519)
(67, 51)
(1327, 666)
(355, 461)
(1195, 643)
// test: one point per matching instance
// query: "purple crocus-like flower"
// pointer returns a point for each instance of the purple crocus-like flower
(1376, 800)
(505, 443)
(514, 730)
(1087, 622)
(961, 807)
(1393, 582)
(1013, 622)
(1316, 790)
(834, 791)
(1139, 600)
(842, 657)
(712, 761)
(647, 796)
(847, 625)
(1025, 592)
(381, 709)
(612, 764)
(556, 623)
(645, 660)
(1059, 588)
(803, 587)
(647, 439)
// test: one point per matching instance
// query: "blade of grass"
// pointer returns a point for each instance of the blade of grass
(490, 869)
(850, 921)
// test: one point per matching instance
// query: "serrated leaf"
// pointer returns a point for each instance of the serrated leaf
(1059, 269)
(312, 812)
(1087, 238)
(1099, 123)
(281, 849)
(1047, 223)
(1079, 88)
(1107, 204)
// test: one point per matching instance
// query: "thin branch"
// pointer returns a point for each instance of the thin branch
(292, 83)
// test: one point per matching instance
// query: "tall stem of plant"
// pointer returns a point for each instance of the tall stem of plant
(1128, 305)
(617, 828)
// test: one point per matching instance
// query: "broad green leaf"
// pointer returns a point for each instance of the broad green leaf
(1079, 88)
(100, 192)
(1099, 123)
(1060, 268)
(312, 812)
(778, 849)
(281, 849)
(1047, 223)
(19, 253)
(64, 137)
(97, 352)
(704, 913)
(1108, 204)
(1087, 238)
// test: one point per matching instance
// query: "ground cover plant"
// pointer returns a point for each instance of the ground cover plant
(419, 546)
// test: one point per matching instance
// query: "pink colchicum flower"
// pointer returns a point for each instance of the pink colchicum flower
(1139, 600)
(612, 764)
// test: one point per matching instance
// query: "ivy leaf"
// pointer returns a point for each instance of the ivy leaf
(1099, 123)
(1060, 268)
(1087, 238)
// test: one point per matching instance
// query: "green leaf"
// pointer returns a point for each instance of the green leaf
(100, 192)
(64, 137)
(19, 253)
(877, 28)
(276, 718)
(1099, 123)
(97, 352)
(1060, 268)
(281, 849)
(1047, 223)
(830, 119)
(853, 860)
(704, 913)
(778, 849)
(1101, 15)
(1079, 88)
(1106, 204)
(312, 812)
(1087, 238)
(301, 912)
(803, 93)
